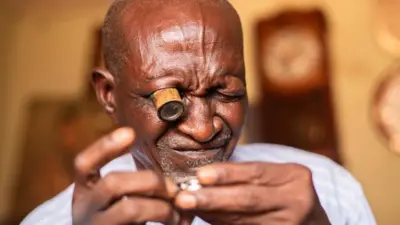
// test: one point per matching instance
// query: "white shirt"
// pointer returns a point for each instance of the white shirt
(340, 194)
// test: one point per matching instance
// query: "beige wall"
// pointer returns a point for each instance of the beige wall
(48, 57)
(50, 44)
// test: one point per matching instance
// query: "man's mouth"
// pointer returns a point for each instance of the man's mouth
(201, 154)
(180, 154)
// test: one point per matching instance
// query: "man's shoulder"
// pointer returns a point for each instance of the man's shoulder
(278, 154)
(338, 191)
(328, 176)
(284, 154)
(322, 167)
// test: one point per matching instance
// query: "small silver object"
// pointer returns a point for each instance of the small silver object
(190, 185)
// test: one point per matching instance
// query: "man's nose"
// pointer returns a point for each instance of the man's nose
(200, 121)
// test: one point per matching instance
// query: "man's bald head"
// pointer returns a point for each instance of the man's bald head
(116, 48)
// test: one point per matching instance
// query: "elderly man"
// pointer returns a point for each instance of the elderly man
(196, 47)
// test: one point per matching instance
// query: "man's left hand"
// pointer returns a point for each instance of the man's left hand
(255, 193)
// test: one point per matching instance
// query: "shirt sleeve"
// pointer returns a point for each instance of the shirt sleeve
(355, 206)
(55, 211)
(362, 211)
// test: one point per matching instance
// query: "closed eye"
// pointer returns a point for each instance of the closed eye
(227, 97)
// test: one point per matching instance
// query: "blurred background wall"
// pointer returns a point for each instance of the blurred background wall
(45, 46)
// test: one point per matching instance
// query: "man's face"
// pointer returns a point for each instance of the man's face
(200, 54)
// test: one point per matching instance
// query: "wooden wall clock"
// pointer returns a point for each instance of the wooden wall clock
(296, 107)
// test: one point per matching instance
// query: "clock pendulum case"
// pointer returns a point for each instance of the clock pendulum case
(293, 67)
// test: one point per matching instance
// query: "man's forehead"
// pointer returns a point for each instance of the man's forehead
(186, 35)
(183, 37)
(185, 19)
(190, 44)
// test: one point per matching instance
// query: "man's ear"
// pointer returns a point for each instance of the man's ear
(104, 85)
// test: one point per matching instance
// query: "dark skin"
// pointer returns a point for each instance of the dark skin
(195, 46)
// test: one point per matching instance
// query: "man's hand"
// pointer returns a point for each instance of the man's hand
(255, 193)
(120, 197)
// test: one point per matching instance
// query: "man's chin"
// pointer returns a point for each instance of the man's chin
(179, 177)
(181, 165)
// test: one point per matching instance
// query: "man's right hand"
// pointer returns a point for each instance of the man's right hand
(119, 197)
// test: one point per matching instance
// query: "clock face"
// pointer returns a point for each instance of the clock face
(387, 108)
(291, 56)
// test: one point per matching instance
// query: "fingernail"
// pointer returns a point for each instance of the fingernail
(122, 135)
(186, 200)
(171, 186)
(207, 175)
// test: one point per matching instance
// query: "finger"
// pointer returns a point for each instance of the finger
(109, 147)
(137, 210)
(185, 219)
(250, 173)
(241, 199)
(216, 218)
(142, 183)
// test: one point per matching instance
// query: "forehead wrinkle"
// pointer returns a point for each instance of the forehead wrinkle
(156, 68)
(195, 36)
(187, 60)
(212, 55)
(180, 50)
(188, 38)
(202, 36)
